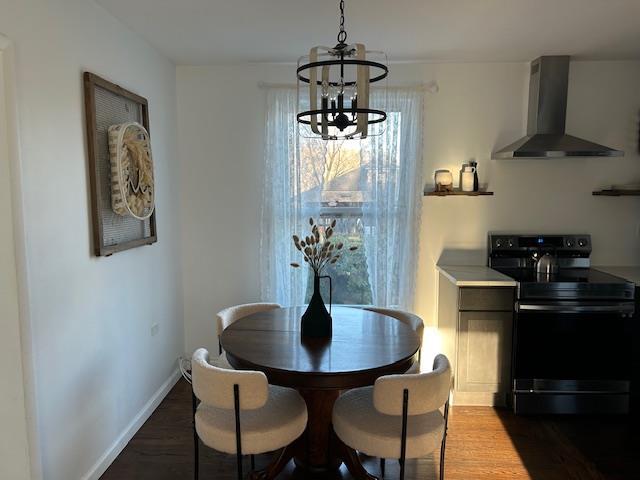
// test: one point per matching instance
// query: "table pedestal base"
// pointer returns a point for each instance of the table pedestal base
(318, 450)
(318, 453)
(277, 464)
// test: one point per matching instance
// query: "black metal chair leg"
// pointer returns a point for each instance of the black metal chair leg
(196, 442)
(382, 465)
(253, 462)
(444, 439)
(239, 462)
(403, 444)
(196, 457)
(236, 398)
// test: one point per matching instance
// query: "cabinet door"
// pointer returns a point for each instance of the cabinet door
(448, 319)
(484, 351)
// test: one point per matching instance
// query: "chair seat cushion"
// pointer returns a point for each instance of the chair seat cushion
(363, 428)
(278, 423)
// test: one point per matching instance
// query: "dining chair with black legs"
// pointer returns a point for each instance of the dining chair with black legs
(238, 412)
(227, 317)
(230, 315)
(411, 320)
(399, 417)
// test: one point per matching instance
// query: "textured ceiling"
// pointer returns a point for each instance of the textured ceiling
(199, 32)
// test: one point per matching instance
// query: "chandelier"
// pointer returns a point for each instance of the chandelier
(334, 94)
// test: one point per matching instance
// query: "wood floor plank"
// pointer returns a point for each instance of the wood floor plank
(483, 444)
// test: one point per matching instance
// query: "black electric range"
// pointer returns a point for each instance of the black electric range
(572, 341)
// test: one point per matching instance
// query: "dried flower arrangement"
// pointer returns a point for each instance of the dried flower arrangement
(318, 250)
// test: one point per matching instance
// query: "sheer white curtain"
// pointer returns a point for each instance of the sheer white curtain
(282, 212)
(392, 216)
(390, 180)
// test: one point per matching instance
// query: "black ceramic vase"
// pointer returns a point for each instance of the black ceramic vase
(316, 320)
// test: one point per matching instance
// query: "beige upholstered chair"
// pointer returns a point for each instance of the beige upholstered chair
(409, 319)
(226, 317)
(240, 413)
(399, 417)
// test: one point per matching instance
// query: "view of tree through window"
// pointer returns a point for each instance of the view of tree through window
(338, 176)
(372, 187)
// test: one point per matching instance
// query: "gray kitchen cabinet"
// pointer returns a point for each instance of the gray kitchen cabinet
(475, 325)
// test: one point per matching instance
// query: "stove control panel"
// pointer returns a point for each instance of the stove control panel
(561, 245)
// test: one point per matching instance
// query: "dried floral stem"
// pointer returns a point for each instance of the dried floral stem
(317, 249)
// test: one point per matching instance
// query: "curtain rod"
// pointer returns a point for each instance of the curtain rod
(429, 87)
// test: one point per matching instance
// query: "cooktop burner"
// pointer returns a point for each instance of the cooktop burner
(570, 284)
(564, 275)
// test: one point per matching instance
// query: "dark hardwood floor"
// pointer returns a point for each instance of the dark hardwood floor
(483, 443)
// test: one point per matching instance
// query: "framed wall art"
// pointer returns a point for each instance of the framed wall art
(120, 167)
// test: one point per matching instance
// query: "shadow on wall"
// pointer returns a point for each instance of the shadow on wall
(462, 257)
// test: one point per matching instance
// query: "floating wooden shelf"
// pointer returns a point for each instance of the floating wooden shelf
(433, 193)
(617, 193)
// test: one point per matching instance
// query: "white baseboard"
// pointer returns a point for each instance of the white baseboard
(116, 447)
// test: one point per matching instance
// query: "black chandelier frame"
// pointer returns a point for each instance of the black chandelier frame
(342, 62)
(379, 116)
(337, 111)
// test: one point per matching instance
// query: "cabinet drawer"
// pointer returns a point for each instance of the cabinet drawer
(496, 299)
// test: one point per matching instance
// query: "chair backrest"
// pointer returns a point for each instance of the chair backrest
(409, 319)
(214, 386)
(229, 315)
(427, 391)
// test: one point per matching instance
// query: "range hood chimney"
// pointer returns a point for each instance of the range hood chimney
(546, 137)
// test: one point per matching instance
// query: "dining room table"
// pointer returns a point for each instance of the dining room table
(363, 346)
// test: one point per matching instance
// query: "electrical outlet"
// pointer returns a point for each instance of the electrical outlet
(155, 328)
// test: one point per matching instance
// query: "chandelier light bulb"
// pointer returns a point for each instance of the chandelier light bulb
(325, 89)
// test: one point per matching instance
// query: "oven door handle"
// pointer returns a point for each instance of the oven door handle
(622, 308)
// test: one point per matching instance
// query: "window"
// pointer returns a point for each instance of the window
(373, 187)
(335, 179)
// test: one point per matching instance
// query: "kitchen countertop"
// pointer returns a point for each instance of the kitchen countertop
(631, 274)
(477, 276)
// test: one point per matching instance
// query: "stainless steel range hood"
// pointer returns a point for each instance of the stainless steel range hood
(546, 137)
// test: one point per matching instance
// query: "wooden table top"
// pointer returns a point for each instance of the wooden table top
(364, 346)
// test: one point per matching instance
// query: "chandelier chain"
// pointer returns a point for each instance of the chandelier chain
(342, 34)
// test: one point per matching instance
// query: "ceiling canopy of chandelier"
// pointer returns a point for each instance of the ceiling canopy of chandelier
(334, 90)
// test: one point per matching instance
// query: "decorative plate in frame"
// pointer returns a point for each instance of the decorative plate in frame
(132, 188)
(107, 104)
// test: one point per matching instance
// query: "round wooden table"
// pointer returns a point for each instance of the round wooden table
(364, 346)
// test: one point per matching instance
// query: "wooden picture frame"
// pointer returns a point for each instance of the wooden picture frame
(106, 102)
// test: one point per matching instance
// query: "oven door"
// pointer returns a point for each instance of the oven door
(572, 356)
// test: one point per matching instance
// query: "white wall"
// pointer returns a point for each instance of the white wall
(96, 364)
(480, 107)
(14, 448)
(221, 113)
